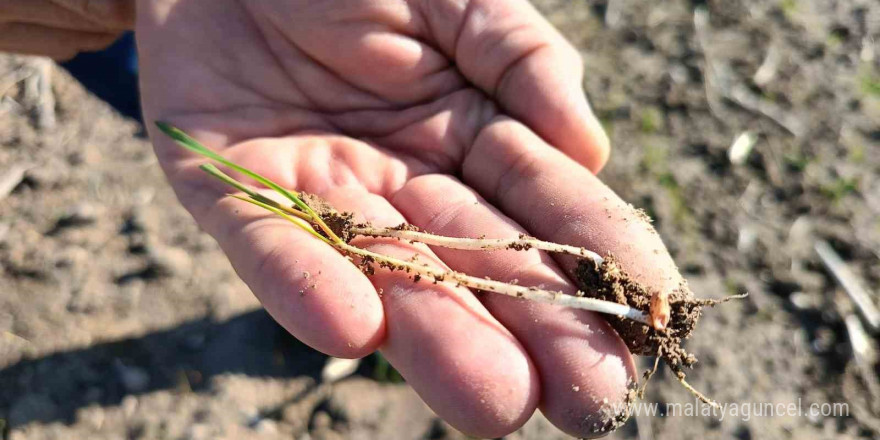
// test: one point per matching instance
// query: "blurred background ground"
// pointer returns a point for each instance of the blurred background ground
(120, 319)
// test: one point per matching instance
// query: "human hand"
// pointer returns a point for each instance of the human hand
(60, 29)
(440, 113)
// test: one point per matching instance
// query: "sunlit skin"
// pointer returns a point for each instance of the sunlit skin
(463, 117)
(62, 28)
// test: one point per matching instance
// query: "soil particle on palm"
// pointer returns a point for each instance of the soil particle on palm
(614, 416)
(642, 215)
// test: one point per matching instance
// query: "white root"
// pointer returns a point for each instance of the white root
(530, 293)
(439, 275)
(478, 244)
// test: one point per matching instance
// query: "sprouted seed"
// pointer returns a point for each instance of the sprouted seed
(652, 323)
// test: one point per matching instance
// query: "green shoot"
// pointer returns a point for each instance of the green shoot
(225, 178)
(186, 141)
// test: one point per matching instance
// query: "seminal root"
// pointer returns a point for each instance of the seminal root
(521, 243)
(488, 285)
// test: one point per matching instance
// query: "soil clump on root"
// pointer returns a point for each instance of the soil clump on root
(340, 223)
(609, 282)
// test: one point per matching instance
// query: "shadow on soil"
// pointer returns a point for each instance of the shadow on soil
(183, 358)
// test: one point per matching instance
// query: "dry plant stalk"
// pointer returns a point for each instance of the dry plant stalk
(652, 323)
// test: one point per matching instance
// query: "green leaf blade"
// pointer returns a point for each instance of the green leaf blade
(186, 141)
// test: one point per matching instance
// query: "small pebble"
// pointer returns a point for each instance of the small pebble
(267, 426)
(747, 239)
(336, 369)
(802, 301)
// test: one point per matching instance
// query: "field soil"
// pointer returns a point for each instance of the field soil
(120, 319)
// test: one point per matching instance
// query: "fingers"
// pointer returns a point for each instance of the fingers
(46, 14)
(510, 51)
(92, 16)
(464, 364)
(113, 14)
(59, 44)
(309, 288)
(582, 364)
(438, 133)
(60, 29)
(367, 44)
(556, 199)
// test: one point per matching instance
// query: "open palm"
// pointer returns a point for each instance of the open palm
(440, 113)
